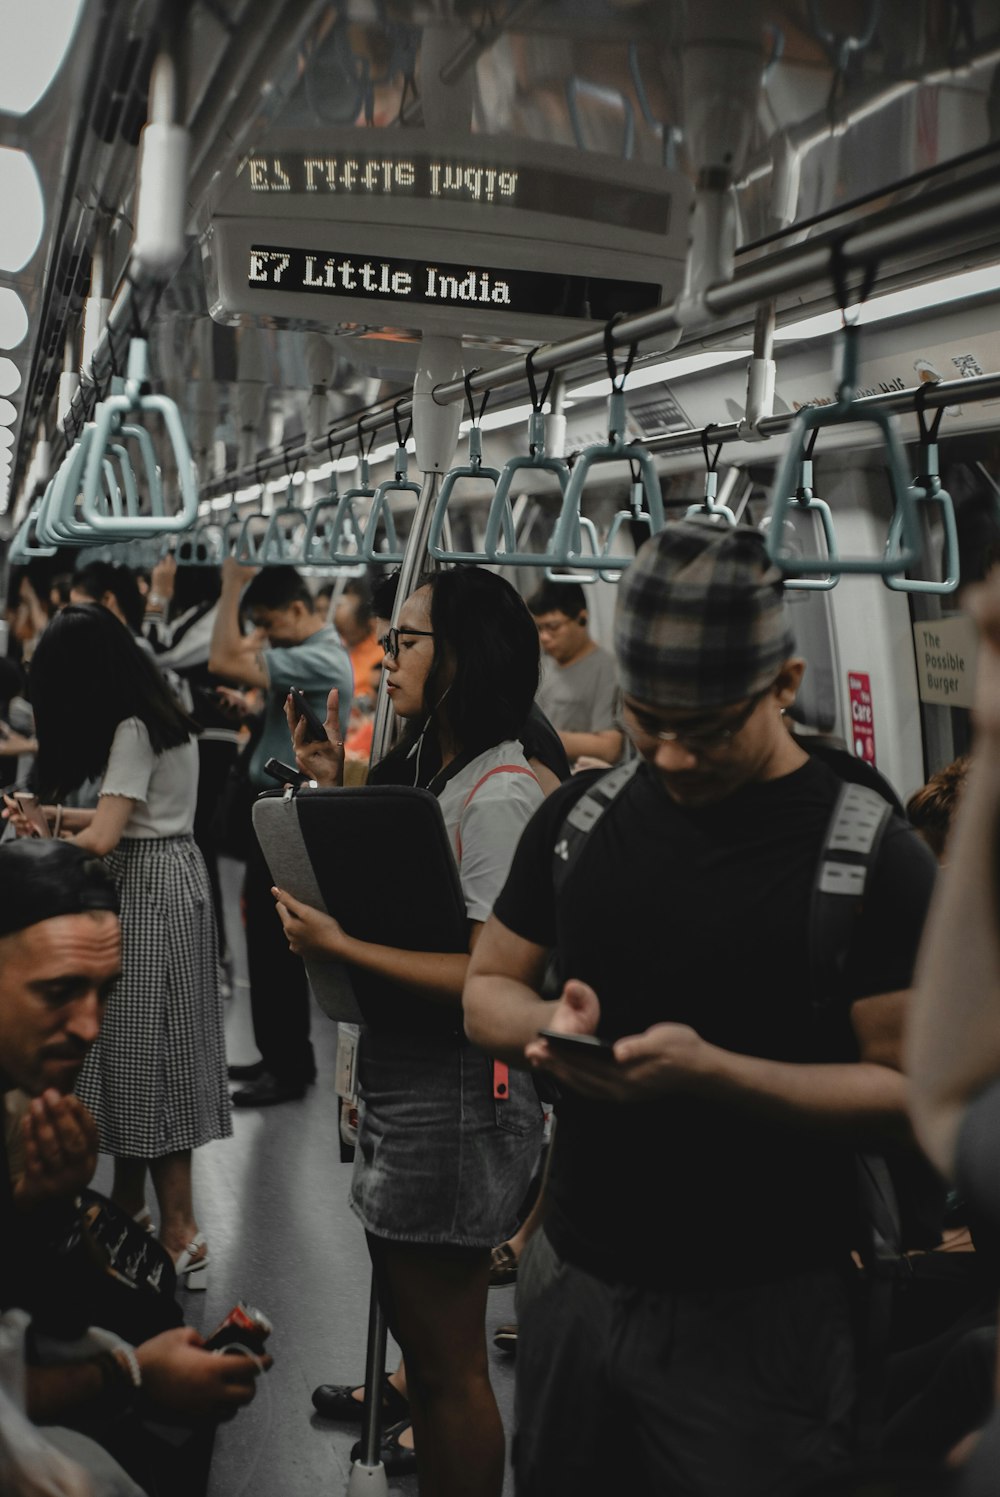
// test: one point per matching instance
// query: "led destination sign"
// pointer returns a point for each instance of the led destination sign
(435, 283)
(449, 180)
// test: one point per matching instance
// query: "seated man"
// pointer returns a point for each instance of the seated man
(579, 687)
(60, 952)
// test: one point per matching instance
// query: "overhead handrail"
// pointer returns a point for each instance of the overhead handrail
(348, 528)
(710, 506)
(927, 489)
(845, 411)
(806, 501)
(565, 548)
(472, 469)
(136, 399)
(381, 510)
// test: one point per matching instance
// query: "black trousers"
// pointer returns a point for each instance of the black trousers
(279, 991)
(740, 1391)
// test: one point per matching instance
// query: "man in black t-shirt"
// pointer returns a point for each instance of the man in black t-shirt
(683, 1324)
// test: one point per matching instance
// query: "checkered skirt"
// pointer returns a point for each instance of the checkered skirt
(156, 1079)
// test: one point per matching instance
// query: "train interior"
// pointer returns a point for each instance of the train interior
(352, 247)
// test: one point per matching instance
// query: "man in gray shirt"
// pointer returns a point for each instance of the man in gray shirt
(579, 687)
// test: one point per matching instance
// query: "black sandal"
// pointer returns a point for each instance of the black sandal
(337, 1401)
(397, 1459)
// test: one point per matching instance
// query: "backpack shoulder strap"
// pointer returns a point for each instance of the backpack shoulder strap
(850, 851)
(583, 816)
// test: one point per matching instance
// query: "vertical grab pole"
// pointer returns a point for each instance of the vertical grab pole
(415, 559)
(368, 1473)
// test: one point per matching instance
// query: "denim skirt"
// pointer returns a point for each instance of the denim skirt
(439, 1158)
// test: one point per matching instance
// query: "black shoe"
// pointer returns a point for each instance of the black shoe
(397, 1460)
(337, 1401)
(267, 1091)
(246, 1073)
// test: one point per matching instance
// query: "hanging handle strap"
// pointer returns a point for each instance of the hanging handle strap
(536, 421)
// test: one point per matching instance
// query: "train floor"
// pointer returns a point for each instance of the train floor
(273, 1203)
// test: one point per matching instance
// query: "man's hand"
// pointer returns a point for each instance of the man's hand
(163, 577)
(666, 1058)
(236, 702)
(60, 1150)
(235, 576)
(322, 762)
(310, 932)
(180, 1378)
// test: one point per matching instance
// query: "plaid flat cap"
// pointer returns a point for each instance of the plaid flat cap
(701, 620)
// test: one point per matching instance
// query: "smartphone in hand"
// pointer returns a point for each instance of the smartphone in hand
(315, 731)
(579, 1046)
(27, 804)
(285, 774)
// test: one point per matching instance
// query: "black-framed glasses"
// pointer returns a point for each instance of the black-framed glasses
(695, 739)
(389, 643)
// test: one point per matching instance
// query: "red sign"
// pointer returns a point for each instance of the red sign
(862, 716)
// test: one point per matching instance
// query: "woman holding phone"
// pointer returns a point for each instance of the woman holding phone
(442, 1165)
(156, 1079)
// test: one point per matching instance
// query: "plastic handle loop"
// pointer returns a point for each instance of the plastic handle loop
(249, 544)
(577, 88)
(22, 548)
(500, 520)
(926, 490)
(204, 545)
(348, 529)
(806, 500)
(643, 466)
(844, 412)
(277, 549)
(316, 542)
(472, 469)
(60, 525)
(381, 511)
(579, 559)
(108, 427)
(634, 516)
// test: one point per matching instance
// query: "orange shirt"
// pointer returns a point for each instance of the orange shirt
(364, 658)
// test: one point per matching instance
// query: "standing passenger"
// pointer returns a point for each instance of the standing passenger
(304, 652)
(155, 1081)
(579, 690)
(443, 1158)
(683, 1319)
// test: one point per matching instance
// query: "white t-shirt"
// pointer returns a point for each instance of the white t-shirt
(164, 786)
(486, 808)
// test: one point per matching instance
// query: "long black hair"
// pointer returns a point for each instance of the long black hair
(87, 676)
(487, 641)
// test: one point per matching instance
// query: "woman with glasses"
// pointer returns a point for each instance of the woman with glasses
(443, 1160)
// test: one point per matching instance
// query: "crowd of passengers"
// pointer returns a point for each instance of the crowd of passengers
(737, 1271)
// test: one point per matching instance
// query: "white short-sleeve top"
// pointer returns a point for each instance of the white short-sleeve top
(486, 806)
(163, 786)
